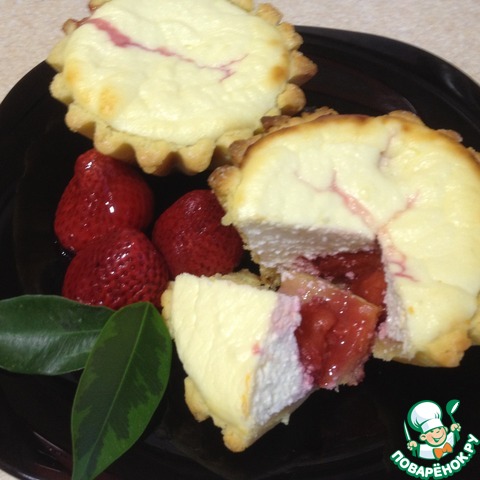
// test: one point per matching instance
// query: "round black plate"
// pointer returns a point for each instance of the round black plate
(349, 434)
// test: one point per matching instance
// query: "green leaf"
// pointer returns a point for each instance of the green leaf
(47, 334)
(121, 387)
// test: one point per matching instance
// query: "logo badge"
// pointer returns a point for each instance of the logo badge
(435, 440)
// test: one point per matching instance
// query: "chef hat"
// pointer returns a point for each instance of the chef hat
(424, 416)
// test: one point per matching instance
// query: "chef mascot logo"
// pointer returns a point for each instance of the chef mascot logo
(437, 445)
(436, 440)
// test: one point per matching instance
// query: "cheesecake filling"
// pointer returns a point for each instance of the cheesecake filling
(281, 379)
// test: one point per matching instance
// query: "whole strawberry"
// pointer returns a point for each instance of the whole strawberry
(117, 269)
(192, 239)
(104, 194)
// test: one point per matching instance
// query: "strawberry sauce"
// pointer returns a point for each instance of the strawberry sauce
(121, 40)
(341, 307)
(360, 272)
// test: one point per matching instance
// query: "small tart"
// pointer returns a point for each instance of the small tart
(329, 183)
(174, 83)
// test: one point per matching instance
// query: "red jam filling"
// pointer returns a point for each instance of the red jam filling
(360, 272)
(341, 307)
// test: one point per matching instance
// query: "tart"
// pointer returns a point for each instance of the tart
(172, 84)
(326, 184)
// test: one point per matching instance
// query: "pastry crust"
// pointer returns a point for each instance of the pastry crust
(432, 286)
(153, 147)
(234, 438)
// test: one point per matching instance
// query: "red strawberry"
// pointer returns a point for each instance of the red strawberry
(192, 239)
(104, 194)
(117, 269)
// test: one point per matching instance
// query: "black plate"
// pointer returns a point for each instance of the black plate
(335, 435)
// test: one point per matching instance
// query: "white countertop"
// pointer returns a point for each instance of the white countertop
(446, 28)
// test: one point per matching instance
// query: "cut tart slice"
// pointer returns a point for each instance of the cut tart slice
(237, 344)
(173, 83)
(327, 184)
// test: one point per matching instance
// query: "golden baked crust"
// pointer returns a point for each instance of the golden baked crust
(159, 155)
(447, 345)
(234, 438)
(446, 350)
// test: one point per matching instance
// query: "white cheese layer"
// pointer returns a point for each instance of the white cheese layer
(341, 182)
(237, 345)
(180, 71)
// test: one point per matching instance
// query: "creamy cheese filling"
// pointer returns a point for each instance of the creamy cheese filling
(181, 71)
(237, 345)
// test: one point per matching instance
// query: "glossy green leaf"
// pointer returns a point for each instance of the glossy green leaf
(123, 382)
(47, 334)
